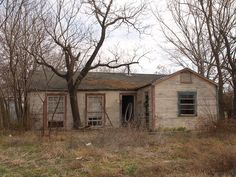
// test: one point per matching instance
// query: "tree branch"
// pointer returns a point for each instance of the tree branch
(108, 65)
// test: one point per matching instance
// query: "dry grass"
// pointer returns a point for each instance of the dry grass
(118, 152)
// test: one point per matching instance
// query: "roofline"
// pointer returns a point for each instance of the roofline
(147, 85)
(66, 90)
(180, 71)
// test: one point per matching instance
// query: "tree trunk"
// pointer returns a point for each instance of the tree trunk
(220, 93)
(25, 115)
(4, 113)
(221, 102)
(74, 107)
(234, 98)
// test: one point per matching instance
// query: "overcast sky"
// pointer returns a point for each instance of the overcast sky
(149, 43)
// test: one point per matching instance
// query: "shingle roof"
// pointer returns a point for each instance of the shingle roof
(94, 81)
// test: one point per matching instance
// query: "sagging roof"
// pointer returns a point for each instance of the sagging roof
(43, 81)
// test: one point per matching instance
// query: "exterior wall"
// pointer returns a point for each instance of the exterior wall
(166, 103)
(112, 107)
(36, 100)
(36, 109)
(163, 104)
(141, 93)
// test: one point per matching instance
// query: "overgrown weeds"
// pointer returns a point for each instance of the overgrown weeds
(122, 138)
(119, 152)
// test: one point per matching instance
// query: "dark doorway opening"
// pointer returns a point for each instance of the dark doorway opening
(146, 108)
(127, 109)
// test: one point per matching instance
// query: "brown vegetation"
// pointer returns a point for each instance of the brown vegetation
(119, 152)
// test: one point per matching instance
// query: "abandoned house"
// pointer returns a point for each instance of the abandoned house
(182, 99)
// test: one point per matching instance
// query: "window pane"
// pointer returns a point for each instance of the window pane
(95, 121)
(95, 104)
(186, 95)
(187, 103)
(186, 112)
(95, 110)
(56, 104)
(187, 107)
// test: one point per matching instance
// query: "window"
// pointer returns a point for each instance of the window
(187, 103)
(95, 110)
(56, 110)
(185, 77)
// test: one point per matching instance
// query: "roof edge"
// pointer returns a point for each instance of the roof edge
(81, 90)
(180, 71)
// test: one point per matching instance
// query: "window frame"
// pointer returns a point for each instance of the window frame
(194, 93)
(64, 112)
(102, 95)
(61, 101)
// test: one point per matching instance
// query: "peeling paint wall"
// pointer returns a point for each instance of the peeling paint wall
(36, 109)
(112, 107)
(141, 107)
(166, 103)
(162, 105)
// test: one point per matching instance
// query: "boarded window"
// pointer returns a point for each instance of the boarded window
(95, 110)
(185, 77)
(56, 110)
(187, 103)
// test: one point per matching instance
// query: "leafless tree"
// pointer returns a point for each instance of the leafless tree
(198, 37)
(226, 29)
(79, 29)
(187, 36)
(16, 35)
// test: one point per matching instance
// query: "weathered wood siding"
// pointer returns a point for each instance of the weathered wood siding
(112, 107)
(36, 109)
(166, 103)
(141, 110)
(162, 104)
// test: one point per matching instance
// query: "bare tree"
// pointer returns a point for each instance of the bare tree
(226, 28)
(187, 36)
(79, 29)
(198, 37)
(16, 35)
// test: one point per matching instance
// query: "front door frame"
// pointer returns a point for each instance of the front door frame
(134, 94)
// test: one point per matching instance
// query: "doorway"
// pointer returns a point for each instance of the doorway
(127, 109)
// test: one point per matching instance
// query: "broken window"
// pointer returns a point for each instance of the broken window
(187, 103)
(56, 110)
(95, 110)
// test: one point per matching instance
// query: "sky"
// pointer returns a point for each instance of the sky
(149, 43)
